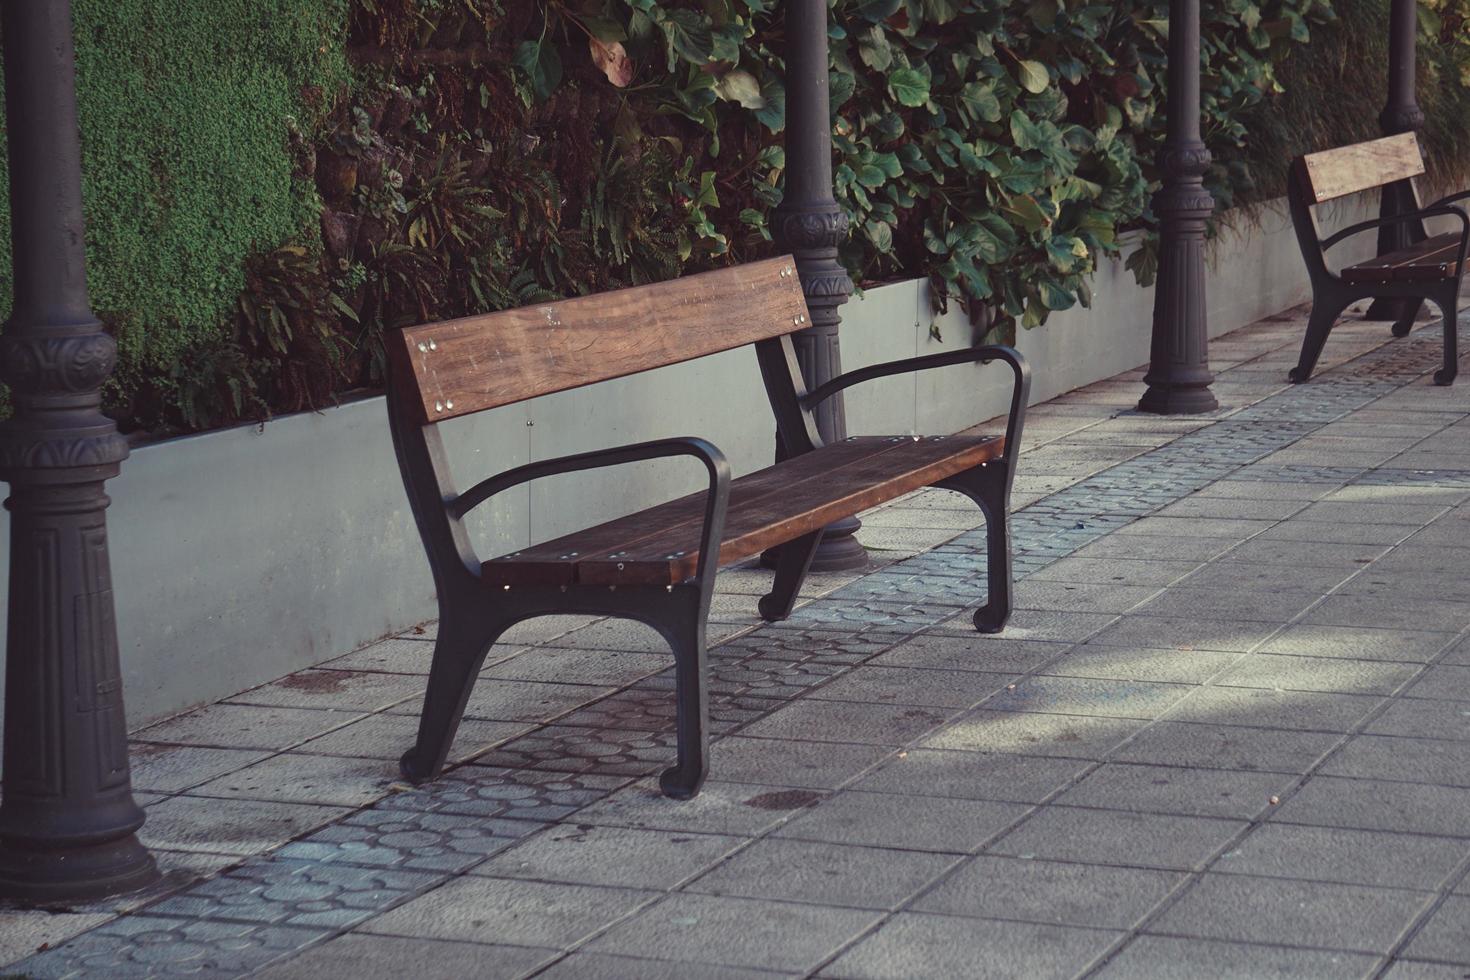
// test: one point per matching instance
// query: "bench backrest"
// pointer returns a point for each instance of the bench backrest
(1346, 170)
(457, 367)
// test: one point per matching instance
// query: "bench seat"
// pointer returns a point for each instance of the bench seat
(1432, 259)
(660, 545)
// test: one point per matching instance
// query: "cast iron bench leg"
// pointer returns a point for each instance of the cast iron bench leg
(684, 632)
(1410, 313)
(1448, 302)
(1325, 312)
(988, 485)
(459, 651)
(791, 568)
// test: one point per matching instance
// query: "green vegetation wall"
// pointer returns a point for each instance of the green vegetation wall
(272, 185)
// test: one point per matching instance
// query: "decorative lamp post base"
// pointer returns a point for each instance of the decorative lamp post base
(1178, 398)
(30, 875)
(838, 552)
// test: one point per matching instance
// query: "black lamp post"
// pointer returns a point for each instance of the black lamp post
(1179, 375)
(67, 817)
(809, 224)
(1401, 114)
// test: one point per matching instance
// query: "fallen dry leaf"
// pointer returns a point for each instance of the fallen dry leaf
(613, 61)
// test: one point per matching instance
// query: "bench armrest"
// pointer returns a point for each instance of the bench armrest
(707, 453)
(1435, 211)
(1020, 392)
(1461, 196)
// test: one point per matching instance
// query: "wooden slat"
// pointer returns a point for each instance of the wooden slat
(1362, 166)
(1432, 259)
(467, 365)
(660, 546)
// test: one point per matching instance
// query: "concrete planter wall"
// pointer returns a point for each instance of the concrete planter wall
(239, 556)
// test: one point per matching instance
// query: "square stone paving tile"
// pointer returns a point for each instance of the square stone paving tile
(587, 854)
(1240, 603)
(307, 779)
(245, 726)
(604, 966)
(169, 769)
(385, 736)
(972, 775)
(1440, 681)
(244, 827)
(1106, 597)
(1273, 708)
(1121, 571)
(845, 721)
(824, 874)
(1167, 958)
(1334, 555)
(1385, 612)
(441, 843)
(366, 957)
(947, 651)
(1295, 913)
(914, 945)
(1146, 547)
(1423, 718)
(502, 910)
(737, 932)
(1443, 762)
(1140, 840)
(741, 809)
(1319, 674)
(26, 931)
(1446, 936)
(1188, 632)
(1034, 733)
(494, 699)
(1053, 892)
(879, 684)
(600, 668)
(342, 690)
(1370, 804)
(790, 762)
(1036, 624)
(916, 823)
(1168, 789)
(1357, 642)
(1140, 664)
(1264, 577)
(1354, 857)
(1088, 696)
(400, 655)
(1317, 532)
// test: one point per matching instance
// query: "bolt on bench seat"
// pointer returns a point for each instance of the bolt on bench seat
(1429, 269)
(658, 566)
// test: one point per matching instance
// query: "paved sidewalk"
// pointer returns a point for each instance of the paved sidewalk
(1227, 733)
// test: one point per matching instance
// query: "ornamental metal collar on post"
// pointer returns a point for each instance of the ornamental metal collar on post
(809, 224)
(67, 818)
(1179, 375)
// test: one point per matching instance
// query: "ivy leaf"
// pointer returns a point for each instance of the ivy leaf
(612, 60)
(1034, 77)
(740, 86)
(980, 99)
(878, 10)
(689, 34)
(541, 64)
(1054, 295)
(874, 49)
(909, 86)
(773, 115)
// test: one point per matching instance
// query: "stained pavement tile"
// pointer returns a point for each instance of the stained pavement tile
(1193, 633)
(385, 736)
(29, 930)
(823, 874)
(281, 891)
(1167, 958)
(1123, 571)
(365, 957)
(1354, 857)
(917, 823)
(1168, 789)
(1236, 576)
(737, 932)
(503, 910)
(343, 690)
(435, 842)
(1446, 935)
(1140, 664)
(245, 726)
(972, 775)
(588, 854)
(1357, 642)
(897, 685)
(1140, 840)
(170, 769)
(1197, 527)
(1088, 696)
(913, 945)
(1443, 762)
(845, 721)
(144, 946)
(494, 699)
(1336, 555)
(741, 809)
(1049, 891)
(1318, 674)
(1081, 596)
(1034, 733)
(790, 762)
(1370, 804)
(243, 827)
(1423, 718)
(1292, 913)
(399, 656)
(1271, 708)
(307, 779)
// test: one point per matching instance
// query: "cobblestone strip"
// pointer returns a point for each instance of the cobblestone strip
(322, 885)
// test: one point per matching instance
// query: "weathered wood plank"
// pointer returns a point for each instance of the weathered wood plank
(660, 546)
(1363, 166)
(1434, 258)
(467, 365)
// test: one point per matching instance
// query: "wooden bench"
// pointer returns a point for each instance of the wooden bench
(658, 566)
(1429, 269)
